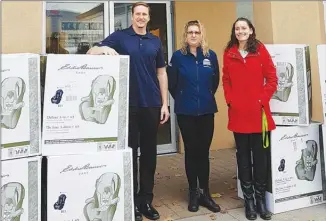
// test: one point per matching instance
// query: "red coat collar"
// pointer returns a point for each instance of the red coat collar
(234, 52)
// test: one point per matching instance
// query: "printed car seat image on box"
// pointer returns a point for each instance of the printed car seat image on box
(56, 99)
(12, 196)
(281, 166)
(60, 203)
(102, 206)
(285, 74)
(12, 94)
(306, 166)
(96, 107)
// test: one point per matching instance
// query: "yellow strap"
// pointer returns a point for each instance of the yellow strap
(265, 129)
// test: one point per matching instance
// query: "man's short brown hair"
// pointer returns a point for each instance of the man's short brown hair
(140, 4)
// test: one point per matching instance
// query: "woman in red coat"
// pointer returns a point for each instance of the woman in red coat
(249, 81)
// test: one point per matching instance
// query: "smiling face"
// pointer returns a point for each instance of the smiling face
(194, 36)
(242, 31)
(140, 16)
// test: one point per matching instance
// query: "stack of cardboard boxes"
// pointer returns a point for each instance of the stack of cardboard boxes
(75, 163)
(20, 137)
(87, 163)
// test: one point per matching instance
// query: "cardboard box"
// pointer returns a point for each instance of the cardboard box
(21, 189)
(86, 103)
(321, 55)
(295, 175)
(323, 157)
(87, 187)
(291, 104)
(20, 106)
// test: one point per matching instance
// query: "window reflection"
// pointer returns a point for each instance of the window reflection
(73, 28)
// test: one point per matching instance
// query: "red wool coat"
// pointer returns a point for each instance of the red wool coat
(245, 91)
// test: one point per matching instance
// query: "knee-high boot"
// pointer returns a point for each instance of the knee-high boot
(248, 194)
(260, 189)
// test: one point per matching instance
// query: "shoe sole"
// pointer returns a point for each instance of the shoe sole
(210, 209)
(254, 218)
(193, 210)
(263, 218)
(150, 218)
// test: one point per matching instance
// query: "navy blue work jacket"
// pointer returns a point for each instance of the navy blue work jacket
(146, 55)
(193, 82)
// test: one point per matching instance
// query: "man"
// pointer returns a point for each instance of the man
(148, 99)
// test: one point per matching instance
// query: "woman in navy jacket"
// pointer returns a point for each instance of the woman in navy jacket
(193, 75)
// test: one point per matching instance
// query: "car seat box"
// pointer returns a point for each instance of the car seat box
(85, 104)
(20, 106)
(321, 56)
(21, 189)
(291, 104)
(295, 172)
(295, 179)
(95, 186)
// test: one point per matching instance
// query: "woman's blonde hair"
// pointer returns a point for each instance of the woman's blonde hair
(203, 43)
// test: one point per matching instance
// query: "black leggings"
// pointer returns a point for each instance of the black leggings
(197, 134)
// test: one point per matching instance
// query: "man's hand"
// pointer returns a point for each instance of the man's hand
(102, 50)
(164, 114)
(163, 80)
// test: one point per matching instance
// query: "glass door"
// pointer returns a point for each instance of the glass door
(160, 25)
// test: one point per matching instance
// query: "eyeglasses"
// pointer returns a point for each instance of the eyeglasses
(193, 32)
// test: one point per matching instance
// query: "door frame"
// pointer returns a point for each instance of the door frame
(171, 147)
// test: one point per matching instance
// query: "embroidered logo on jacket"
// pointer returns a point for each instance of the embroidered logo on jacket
(206, 62)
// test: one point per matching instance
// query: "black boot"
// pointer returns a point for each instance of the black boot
(138, 215)
(250, 209)
(206, 200)
(261, 201)
(149, 211)
(193, 204)
(248, 194)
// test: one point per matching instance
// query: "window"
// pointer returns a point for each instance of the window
(73, 27)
